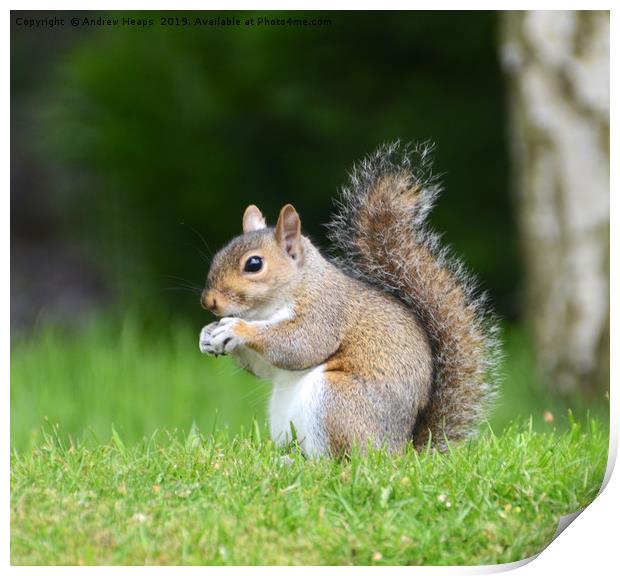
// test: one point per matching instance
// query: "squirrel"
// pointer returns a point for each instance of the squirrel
(383, 342)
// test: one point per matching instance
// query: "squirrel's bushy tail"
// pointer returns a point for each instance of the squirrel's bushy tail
(379, 228)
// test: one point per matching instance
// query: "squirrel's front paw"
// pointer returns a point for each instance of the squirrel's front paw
(206, 334)
(220, 337)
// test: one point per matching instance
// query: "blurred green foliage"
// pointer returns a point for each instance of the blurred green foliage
(146, 129)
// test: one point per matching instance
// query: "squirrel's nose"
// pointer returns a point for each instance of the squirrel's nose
(208, 301)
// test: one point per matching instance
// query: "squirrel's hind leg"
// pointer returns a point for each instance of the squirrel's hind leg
(361, 414)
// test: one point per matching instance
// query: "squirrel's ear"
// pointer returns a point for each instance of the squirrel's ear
(253, 219)
(288, 232)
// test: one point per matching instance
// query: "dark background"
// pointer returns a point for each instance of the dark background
(130, 143)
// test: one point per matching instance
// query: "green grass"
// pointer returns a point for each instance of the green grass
(123, 477)
(222, 500)
(141, 380)
(126, 376)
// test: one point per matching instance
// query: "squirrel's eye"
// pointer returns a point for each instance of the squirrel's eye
(253, 264)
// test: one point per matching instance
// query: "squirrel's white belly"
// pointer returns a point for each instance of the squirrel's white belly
(297, 397)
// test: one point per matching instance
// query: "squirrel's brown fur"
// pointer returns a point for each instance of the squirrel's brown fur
(380, 231)
(384, 344)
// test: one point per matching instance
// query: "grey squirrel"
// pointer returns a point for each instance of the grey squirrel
(386, 343)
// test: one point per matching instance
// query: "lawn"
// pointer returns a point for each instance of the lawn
(141, 379)
(239, 500)
(108, 466)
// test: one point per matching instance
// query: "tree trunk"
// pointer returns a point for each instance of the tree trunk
(558, 69)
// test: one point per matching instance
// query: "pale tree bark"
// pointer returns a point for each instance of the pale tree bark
(558, 68)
